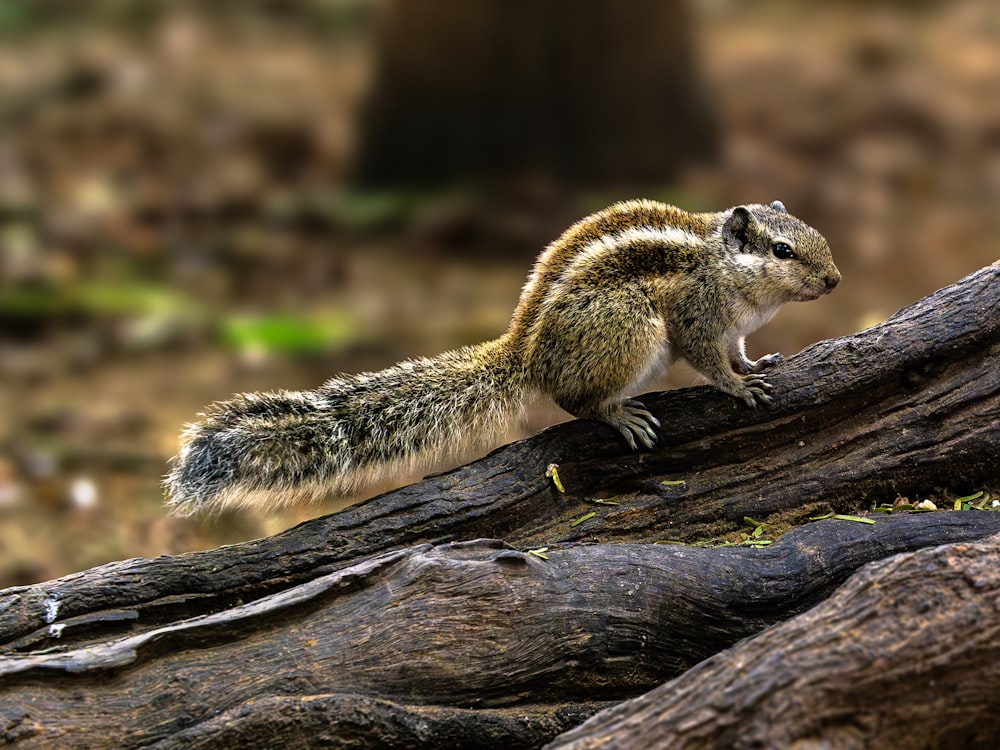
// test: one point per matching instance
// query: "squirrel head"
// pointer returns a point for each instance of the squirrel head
(791, 258)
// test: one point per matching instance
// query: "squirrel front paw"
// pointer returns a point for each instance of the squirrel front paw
(766, 362)
(751, 388)
(633, 420)
(743, 366)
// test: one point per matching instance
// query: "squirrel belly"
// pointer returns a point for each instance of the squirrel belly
(267, 450)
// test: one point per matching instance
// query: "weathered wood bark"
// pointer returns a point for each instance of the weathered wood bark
(907, 654)
(354, 623)
(474, 623)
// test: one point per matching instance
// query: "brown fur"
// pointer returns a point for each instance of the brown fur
(608, 306)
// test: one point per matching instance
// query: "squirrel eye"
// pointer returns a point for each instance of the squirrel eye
(783, 251)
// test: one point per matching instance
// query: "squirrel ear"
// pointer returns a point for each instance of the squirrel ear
(779, 206)
(735, 229)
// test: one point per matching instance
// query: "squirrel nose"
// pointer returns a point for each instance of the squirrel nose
(832, 279)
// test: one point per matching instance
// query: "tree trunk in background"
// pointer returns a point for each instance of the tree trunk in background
(592, 90)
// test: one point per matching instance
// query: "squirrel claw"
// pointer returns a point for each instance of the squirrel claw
(752, 389)
(633, 420)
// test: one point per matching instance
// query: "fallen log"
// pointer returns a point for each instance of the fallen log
(458, 625)
(906, 654)
(145, 647)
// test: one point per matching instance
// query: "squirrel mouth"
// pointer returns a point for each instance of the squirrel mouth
(813, 291)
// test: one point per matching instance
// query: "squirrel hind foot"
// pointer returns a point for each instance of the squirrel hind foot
(635, 422)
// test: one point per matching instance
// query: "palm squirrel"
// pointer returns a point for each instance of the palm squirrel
(608, 306)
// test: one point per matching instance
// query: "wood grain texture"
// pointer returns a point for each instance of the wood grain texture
(457, 625)
(907, 654)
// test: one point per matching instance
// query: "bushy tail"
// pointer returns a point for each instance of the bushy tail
(266, 450)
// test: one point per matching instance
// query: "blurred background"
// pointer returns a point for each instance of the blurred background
(203, 198)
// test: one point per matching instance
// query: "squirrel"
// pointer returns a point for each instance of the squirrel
(606, 309)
